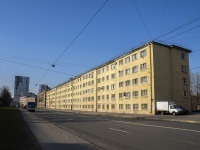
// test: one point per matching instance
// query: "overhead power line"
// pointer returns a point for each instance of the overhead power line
(74, 39)
(35, 67)
(177, 28)
(142, 19)
(182, 32)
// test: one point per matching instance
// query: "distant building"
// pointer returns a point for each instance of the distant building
(43, 87)
(25, 99)
(21, 87)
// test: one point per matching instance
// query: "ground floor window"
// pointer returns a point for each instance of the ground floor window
(144, 106)
(121, 106)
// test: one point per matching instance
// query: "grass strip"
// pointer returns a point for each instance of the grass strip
(14, 132)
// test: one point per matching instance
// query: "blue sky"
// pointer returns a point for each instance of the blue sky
(34, 33)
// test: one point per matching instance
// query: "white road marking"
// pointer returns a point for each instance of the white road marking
(173, 128)
(119, 130)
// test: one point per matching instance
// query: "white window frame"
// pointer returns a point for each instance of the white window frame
(121, 62)
(127, 60)
(143, 66)
(135, 93)
(144, 106)
(144, 79)
(112, 96)
(135, 106)
(112, 66)
(127, 71)
(112, 86)
(128, 106)
(134, 57)
(134, 69)
(121, 73)
(121, 106)
(144, 93)
(135, 81)
(127, 83)
(121, 84)
(143, 53)
(184, 68)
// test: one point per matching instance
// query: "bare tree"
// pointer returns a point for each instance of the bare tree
(195, 88)
(5, 96)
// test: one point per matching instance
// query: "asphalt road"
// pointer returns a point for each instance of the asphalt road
(115, 133)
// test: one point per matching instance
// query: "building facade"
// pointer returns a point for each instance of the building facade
(41, 97)
(21, 87)
(131, 83)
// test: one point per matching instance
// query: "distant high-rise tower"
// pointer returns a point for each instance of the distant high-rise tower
(43, 87)
(21, 87)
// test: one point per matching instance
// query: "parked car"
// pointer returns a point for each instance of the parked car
(185, 111)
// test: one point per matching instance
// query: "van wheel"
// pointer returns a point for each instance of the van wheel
(174, 114)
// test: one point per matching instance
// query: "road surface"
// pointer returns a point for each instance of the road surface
(115, 133)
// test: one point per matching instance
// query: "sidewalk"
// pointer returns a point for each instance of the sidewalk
(51, 137)
(190, 118)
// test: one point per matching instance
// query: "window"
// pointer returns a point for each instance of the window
(107, 96)
(185, 81)
(121, 84)
(107, 77)
(135, 69)
(128, 94)
(107, 68)
(120, 62)
(135, 106)
(127, 60)
(121, 106)
(128, 106)
(120, 73)
(98, 89)
(92, 90)
(112, 86)
(144, 79)
(135, 81)
(185, 93)
(98, 71)
(113, 96)
(113, 66)
(102, 88)
(98, 97)
(184, 68)
(98, 80)
(102, 70)
(127, 83)
(134, 57)
(144, 107)
(103, 106)
(143, 66)
(143, 53)
(183, 56)
(143, 93)
(112, 76)
(103, 79)
(135, 93)
(99, 106)
(107, 87)
(103, 97)
(127, 71)
(121, 95)
(113, 106)
(107, 106)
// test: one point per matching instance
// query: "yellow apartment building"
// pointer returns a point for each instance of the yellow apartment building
(131, 83)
